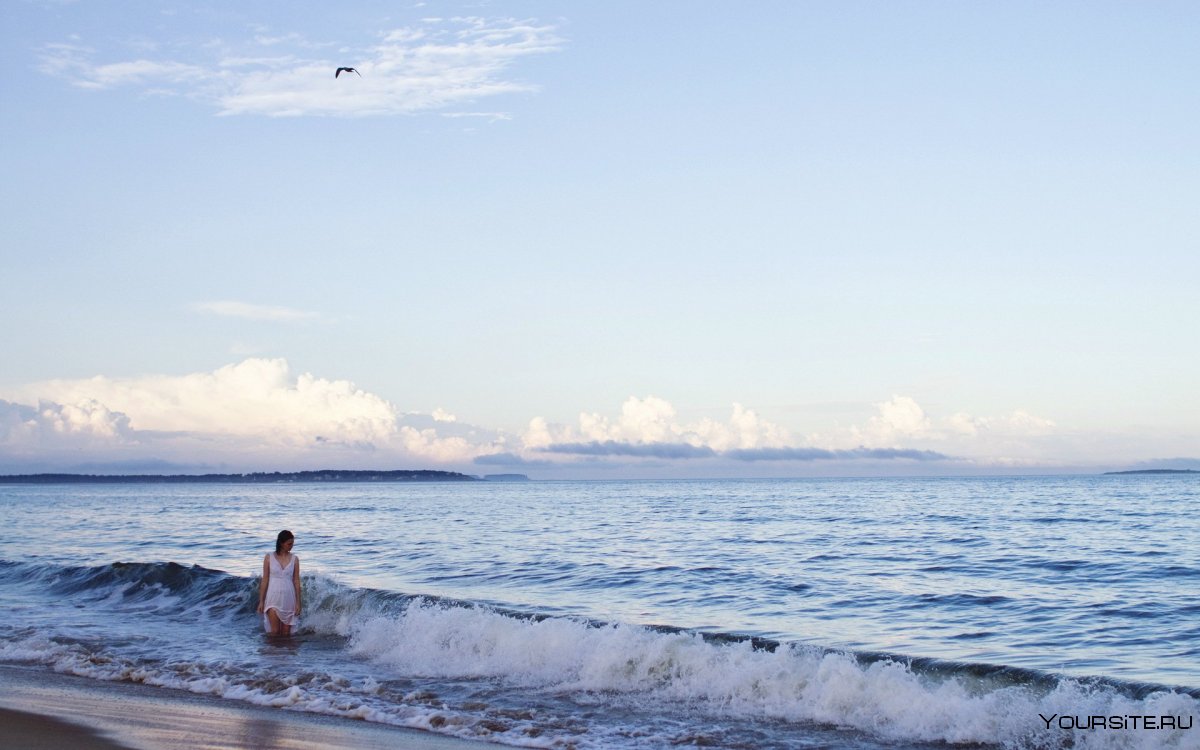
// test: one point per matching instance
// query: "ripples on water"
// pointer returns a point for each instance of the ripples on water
(1090, 577)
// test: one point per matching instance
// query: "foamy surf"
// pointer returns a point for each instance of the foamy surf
(523, 679)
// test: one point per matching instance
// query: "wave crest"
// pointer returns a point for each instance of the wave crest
(400, 637)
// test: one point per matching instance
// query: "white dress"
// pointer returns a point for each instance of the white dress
(281, 594)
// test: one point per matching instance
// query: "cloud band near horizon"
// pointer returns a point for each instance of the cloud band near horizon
(822, 454)
(689, 451)
(257, 414)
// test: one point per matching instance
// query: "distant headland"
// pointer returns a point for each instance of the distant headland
(505, 478)
(1155, 471)
(260, 477)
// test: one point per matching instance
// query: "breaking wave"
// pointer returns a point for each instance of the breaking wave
(395, 643)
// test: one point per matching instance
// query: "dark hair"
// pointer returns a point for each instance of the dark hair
(284, 536)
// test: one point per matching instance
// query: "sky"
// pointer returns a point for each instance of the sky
(600, 240)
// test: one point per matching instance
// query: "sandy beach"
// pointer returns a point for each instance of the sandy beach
(40, 709)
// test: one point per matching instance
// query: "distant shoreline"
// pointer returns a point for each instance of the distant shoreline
(260, 477)
(1153, 471)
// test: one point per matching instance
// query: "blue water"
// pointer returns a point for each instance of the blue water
(835, 613)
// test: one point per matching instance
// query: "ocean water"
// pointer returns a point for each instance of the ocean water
(864, 613)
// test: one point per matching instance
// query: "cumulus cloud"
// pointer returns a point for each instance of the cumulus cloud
(649, 428)
(539, 434)
(653, 420)
(902, 416)
(256, 397)
(649, 419)
(58, 437)
(901, 420)
(249, 311)
(438, 64)
(745, 430)
(897, 430)
(52, 424)
(428, 444)
(256, 414)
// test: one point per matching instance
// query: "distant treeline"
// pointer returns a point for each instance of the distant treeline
(262, 477)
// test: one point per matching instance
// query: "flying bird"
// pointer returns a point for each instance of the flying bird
(347, 70)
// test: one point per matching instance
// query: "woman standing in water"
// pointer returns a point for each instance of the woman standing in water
(279, 592)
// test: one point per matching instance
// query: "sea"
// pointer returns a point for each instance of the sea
(1003, 612)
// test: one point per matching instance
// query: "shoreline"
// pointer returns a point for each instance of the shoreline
(44, 709)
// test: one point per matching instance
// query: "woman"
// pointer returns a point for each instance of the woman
(279, 592)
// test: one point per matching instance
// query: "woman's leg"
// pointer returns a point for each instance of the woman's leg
(276, 626)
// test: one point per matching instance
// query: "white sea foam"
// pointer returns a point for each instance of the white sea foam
(669, 673)
(322, 694)
(617, 665)
(796, 684)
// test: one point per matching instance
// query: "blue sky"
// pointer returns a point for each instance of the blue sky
(600, 240)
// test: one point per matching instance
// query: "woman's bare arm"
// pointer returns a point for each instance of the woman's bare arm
(296, 583)
(262, 586)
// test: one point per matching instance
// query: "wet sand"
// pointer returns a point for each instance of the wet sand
(41, 709)
(35, 732)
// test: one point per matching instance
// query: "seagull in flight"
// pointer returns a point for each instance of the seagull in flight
(347, 70)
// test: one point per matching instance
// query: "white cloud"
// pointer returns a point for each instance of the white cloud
(87, 417)
(439, 64)
(143, 73)
(899, 429)
(1019, 438)
(653, 420)
(538, 434)
(249, 311)
(257, 397)
(897, 420)
(902, 420)
(963, 424)
(49, 424)
(745, 430)
(642, 420)
(902, 416)
(1019, 423)
(257, 415)
(427, 444)
(253, 415)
